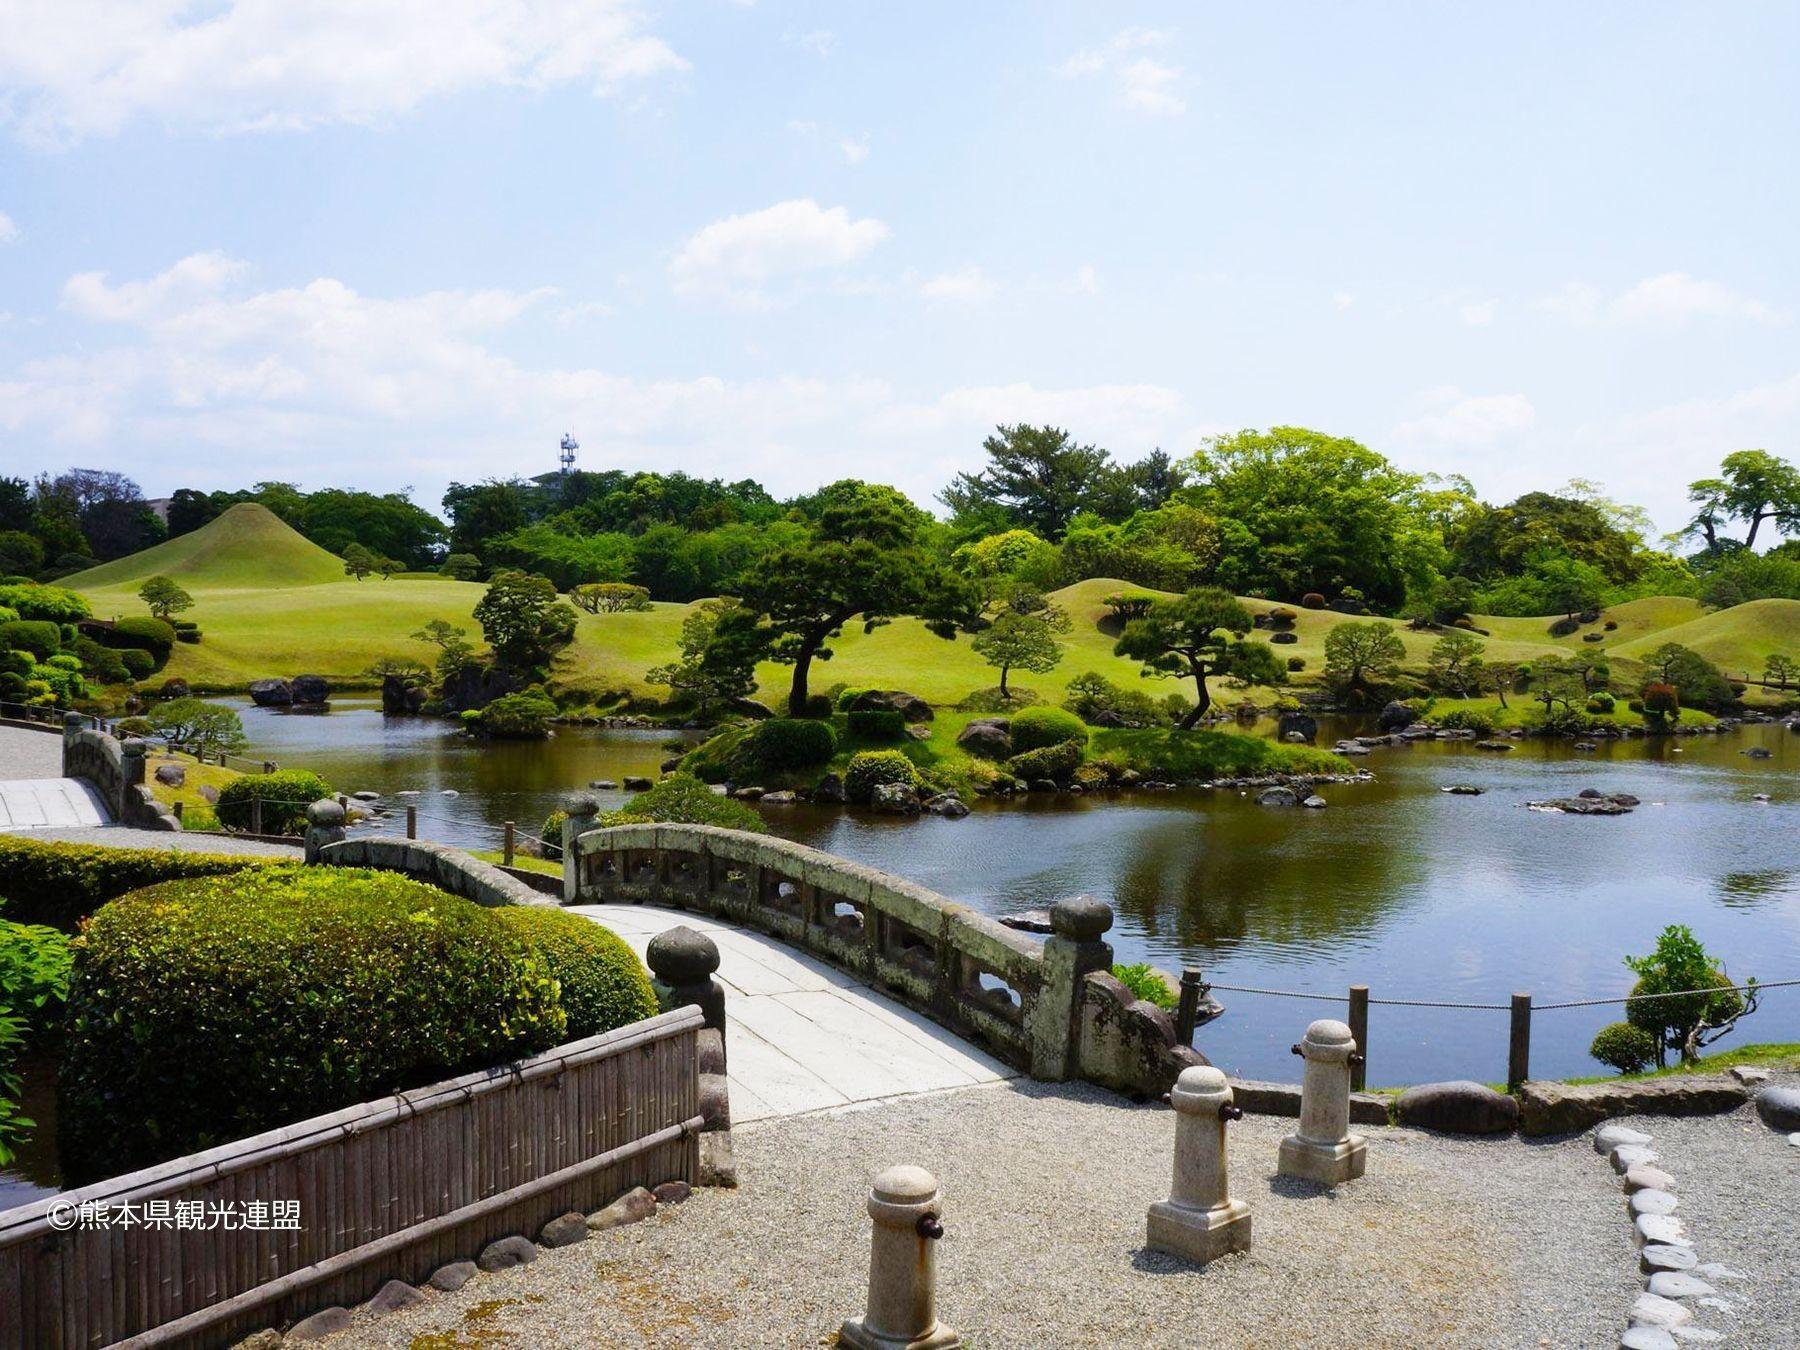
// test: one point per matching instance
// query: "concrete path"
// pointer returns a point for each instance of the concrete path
(801, 1036)
(49, 803)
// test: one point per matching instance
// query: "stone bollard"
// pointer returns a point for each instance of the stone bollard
(1323, 1149)
(683, 962)
(324, 825)
(580, 812)
(1200, 1220)
(902, 1314)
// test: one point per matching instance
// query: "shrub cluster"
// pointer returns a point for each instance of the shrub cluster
(876, 724)
(869, 769)
(1141, 978)
(285, 795)
(524, 716)
(60, 884)
(1036, 728)
(600, 982)
(1051, 761)
(682, 799)
(152, 635)
(784, 743)
(1622, 1046)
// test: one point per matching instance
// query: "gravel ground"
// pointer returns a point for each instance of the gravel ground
(29, 754)
(118, 836)
(1446, 1242)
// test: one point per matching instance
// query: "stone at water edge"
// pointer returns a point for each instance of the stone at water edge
(1627, 1156)
(1314, 803)
(1463, 790)
(1660, 1257)
(1660, 1228)
(1609, 1137)
(1678, 1284)
(1653, 1202)
(1655, 1311)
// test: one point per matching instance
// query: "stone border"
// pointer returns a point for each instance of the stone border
(449, 869)
(1547, 1107)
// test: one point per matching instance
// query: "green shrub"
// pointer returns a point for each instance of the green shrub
(1600, 702)
(1035, 728)
(847, 697)
(60, 884)
(1312, 600)
(1143, 981)
(783, 743)
(13, 688)
(138, 663)
(524, 716)
(682, 799)
(1467, 719)
(1296, 663)
(550, 835)
(34, 601)
(1624, 1047)
(869, 769)
(39, 637)
(34, 979)
(153, 635)
(818, 705)
(285, 796)
(1050, 761)
(187, 635)
(877, 724)
(100, 662)
(600, 982)
(202, 1011)
(17, 663)
(1282, 617)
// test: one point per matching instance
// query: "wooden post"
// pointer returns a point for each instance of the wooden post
(507, 851)
(1518, 1056)
(1187, 1011)
(256, 815)
(412, 822)
(177, 809)
(1359, 1031)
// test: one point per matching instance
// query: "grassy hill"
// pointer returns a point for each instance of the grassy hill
(1737, 640)
(247, 548)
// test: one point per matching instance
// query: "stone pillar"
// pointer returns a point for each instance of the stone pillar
(582, 810)
(1323, 1149)
(902, 1314)
(324, 825)
(1073, 951)
(683, 962)
(1200, 1220)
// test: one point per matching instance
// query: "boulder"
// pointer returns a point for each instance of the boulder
(910, 706)
(895, 799)
(1779, 1107)
(1277, 796)
(672, 1192)
(507, 1252)
(565, 1230)
(401, 696)
(1463, 790)
(1584, 805)
(1303, 725)
(603, 784)
(476, 686)
(310, 690)
(325, 1322)
(1029, 921)
(453, 1276)
(781, 798)
(1565, 1108)
(181, 689)
(393, 1296)
(634, 1206)
(1314, 803)
(1395, 716)
(830, 788)
(988, 738)
(171, 775)
(271, 693)
(948, 805)
(1760, 752)
(1493, 745)
(750, 708)
(1461, 1107)
(637, 783)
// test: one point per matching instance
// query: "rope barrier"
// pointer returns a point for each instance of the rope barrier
(1759, 986)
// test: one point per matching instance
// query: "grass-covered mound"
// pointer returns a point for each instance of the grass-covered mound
(205, 1010)
(60, 884)
(247, 547)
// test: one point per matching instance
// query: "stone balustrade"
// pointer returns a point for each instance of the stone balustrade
(116, 770)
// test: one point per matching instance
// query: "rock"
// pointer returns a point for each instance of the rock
(1647, 1178)
(1660, 1228)
(1297, 724)
(637, 783)
(1712, 1270)
(782, 798)
(1586, 745)
(672, 1192)
(449, 1278)
(1395, 716)
(988, 739)
(1653, 1202)
(565, 1230)
(401, 696)
(366, 796)
(325, 1322)
(1609, 1137)
(1460, 1107)
(604, 785)
(181, 689)
(670, 765)
(1044, 785)
(1794, 1139)
(1750, 1075)
(1779, 1107)
(171, 775)
(1351, 749)
(1585, 806)
(1678, 1284)
(1030, 921)
(507, 1252)
(1493, 745)
(1463, 790)
(948, 805)
(718, 1160)
(636, 1205)
(1760, 752)
(1762, 797)
(748, 794)
(266, 1339)
(209, 794)
(271, 693)
(830, 789)
(1107, 717)
(1314, 803)
(393, 1296)
(1658, 1257)
(1277, 796)
(909, 706)
(1647, 1338)
(1653, 1310)
(894, 799)
(1627, 1156)
(310, 690)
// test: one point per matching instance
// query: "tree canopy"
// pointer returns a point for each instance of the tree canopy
(1188, 637)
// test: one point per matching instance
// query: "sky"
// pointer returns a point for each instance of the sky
(399, 243)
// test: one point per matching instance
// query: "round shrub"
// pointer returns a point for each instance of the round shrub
(285, 796)
(784, 743)
(205, 1010)
(1312, 600)
(1282, 617)
(137, 662)
(13, 688)
(1563, 627)
(1050, 761)
(876, 724)
(1296, 663)
(1636, 705)
(187, 635)
(1611, 625)
(1035, 728)
(846, 698)
(30, 600)
(818, 705)
(153, 635)
(1624, 1047)
(17, 663)
(1600, 702)
(39, 637)
(869, 769)
(600, 982)
(1284, 639)
(682, 799)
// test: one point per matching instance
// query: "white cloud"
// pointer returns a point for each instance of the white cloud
(1145, 84)
(1447, 418)
(966, 285)
(80, 68)
(738, 256)
(853, 149)
(9, 230)
(1667, 300)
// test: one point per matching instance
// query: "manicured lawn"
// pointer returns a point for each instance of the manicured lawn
(1522, 710)
(1773, 1055)
(197, 776)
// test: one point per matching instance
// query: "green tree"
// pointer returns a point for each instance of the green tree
(523, 621)
(1711, 1005)
(1022, 641)
(610, 597)
(1455, 664)
(1189, 637)
(862, 558)
(1555, 682)
(1038, 476)
(164, 597)
(1752, 486)
(389, 568)
(1488, 542)
(1698, 681)
(1362, 659)
(460, 567)
(1780, 669)
(194, 724)
(454, 648)
(1568, 586)
(359, 561)
(709, 672)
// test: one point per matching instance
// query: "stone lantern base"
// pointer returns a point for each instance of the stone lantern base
(859, 1337)
(1328, 1164)
(1200, 1235)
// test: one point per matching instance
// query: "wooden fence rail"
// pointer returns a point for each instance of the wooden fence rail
(387, 1189)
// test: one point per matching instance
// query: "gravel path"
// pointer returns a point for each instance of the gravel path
(119, 836)
(29, 754)
(1446, 1242)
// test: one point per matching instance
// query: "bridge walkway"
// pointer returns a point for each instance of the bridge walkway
(33, 793)
(801, 1036)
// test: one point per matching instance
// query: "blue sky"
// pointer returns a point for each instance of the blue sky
(392, 242)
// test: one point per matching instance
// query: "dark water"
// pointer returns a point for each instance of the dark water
(1417, 893)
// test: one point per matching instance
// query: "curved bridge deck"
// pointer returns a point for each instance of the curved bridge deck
(802, 1036)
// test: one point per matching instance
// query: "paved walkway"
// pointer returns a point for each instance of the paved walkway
(29, 754)
(801, 1036)
(33, 793)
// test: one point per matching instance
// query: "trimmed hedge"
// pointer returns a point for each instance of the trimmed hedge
(783, 743)
(33, 600)
(206, 1010)
(60, 884)
(151, 635)
(1050, 761)
(39, 637)
(138, 663)
(1035, 728)
(682, 799)
(876, 724)
(285, 796)
(600, 982)
(869, 769)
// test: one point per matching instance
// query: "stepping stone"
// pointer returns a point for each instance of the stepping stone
(1647, 1338)
(1653, 1310)
(1653, 1202)
(1678, 1284)
(1644, 1177)
(1664, 1228)
(1722, 1304)
(1662, 1257)
(1627, 1156)
(1794, 1139)
(1609, 1137)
